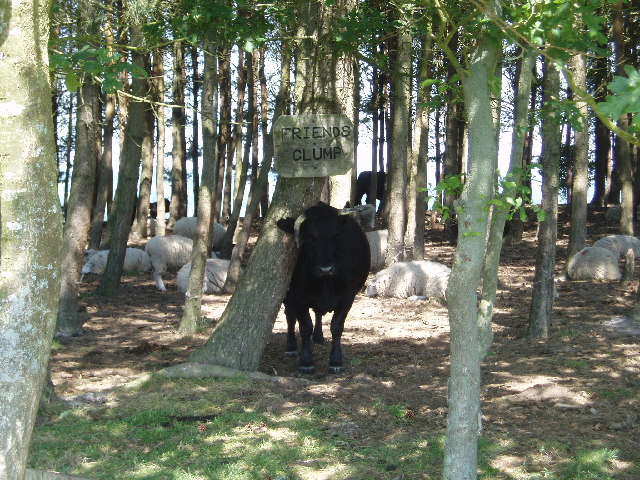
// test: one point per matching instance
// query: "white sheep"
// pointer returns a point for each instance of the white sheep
(619, 244)
(594, 263)
(215, 274)
(168, 253)
(407, 279)
(378, 246)
(186, 227)
(365, 215)
(135, 260)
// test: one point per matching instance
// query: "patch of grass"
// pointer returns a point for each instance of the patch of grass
(325, 411)
(592, 464)
(578, 364)
(203, 429)
(618, 393)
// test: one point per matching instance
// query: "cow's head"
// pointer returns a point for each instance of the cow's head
(318, 233)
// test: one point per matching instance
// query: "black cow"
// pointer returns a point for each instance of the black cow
(332, 267)
(153, 208)
(363, 187)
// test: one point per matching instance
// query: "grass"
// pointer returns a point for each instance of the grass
(225, 429)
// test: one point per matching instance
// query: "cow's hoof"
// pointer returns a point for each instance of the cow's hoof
(339, 369)
(318, 340)
(307, 370)
(293, 354)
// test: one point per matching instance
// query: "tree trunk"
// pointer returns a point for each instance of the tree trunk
(498, 217)
(105, 183)
(452, 144)
(158, 95)
(602, 137)
(78, 219)
(396, 184)
(543, 282)
(246, 78)
(245, 326)
(260, 185)
(178, 206)
(580, 186)
(224, 136)
(195, 143)
(414, 236)
(192, 313)
(30, 228)
(622, 150)
(146, 175)
(460, 456)
(340, 185)
(125, 198)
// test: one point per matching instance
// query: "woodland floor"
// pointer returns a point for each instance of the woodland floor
(580, 387)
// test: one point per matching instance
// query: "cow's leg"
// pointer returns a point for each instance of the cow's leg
(306, 330)
(337, 327)
(291, 347)
(318, 337)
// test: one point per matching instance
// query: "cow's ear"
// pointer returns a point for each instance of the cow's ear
(286, 224)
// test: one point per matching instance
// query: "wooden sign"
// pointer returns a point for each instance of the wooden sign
(313, 145)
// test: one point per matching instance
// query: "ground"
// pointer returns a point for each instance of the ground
(582, 384)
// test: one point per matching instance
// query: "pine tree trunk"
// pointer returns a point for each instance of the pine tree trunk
(340, 185)
(543, 282)
(580, 186)
(178, 208)
(396, 184)
(414, 236)
(158, 95)
(192, 313)
(260, 184)
(125, 198)
(602, 137)
(195, 143)
(30, 227)
(245, 79)
(78, 218)
(146, 175)
(224, 136)
(622, 149)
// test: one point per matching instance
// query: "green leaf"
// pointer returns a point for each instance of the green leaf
(72, 81)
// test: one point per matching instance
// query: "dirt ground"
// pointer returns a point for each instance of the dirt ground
(582, 383)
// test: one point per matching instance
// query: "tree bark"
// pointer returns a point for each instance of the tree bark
(414, 236)
(30, 227)
(602, 137)
(224, 136)
(621, 148)
(543, 282)
(158, 95)
(125, 198)
(178, 206)
(498, 217)
(246, 78)
(78, 218)
(104, 184)
(192, 313)
(396, 184)
(580, 185)
(146, 175)
(340, 185)
(195, 141)
(260, 185)
(460, 456)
